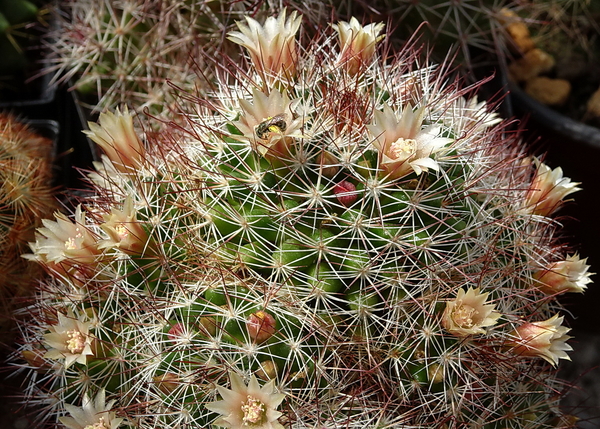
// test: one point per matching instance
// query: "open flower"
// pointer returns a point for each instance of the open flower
(92, 415)
(402, 145)
(248, 406)
(272, 46)
(570, 275)
(269, 123)
(469, 116)
(125, 232)
(545, 339)
(65, 240)
(548, 190)
(70, 339)
(118, 139)
(468, 314)
(357, 44)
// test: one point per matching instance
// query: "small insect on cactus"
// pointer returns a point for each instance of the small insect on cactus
(26, 196)
(333, 240)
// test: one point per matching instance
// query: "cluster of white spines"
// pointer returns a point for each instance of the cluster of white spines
(136, 307)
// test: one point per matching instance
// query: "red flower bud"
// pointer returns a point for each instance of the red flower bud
(345, 192)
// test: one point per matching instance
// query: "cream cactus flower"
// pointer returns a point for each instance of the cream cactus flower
(546, 339)
(357, 43)
(272, 46)
(402, 144)
(65, 240)
(570, 275)
(94, 414)
(125, 232)
(548, 190)
(468, 314)
(249, 406)
(270, 123)
(70, 339)
(118, 139)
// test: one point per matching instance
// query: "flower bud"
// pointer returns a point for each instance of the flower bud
(328, 162)
(267, 370)
(167, 382)
(125, 231)
(545, 339)
(345, 193)
(570, 275)
(261, 326)
(548, 190)
(272, 46)
(178, 333)
(118, 139)
(357, 44)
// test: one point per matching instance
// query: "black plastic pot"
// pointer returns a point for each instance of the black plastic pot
(550, 121)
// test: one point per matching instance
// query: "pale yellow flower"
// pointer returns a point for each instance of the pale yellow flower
(270, 123)
(64, 240)
(403, 145)
(548, 190)
(357, 43)
(118, 139)
(70, 340)
(569, 275)
(249, 406)
(272, 46)
(92, 414)
(468, 314)
(469, 117)
(124, 230)
(545, 339)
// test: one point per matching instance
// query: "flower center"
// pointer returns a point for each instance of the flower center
(101, 424)
(402, 149)
(254, 411)
(71, 244)
(463, 315)
(76, 342)
(122, 231)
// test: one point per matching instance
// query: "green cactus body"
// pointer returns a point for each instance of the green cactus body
(16, 37)
(294, 264)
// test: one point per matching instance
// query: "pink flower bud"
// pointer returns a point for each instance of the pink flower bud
(177, 332)
(545, 339)
(548, 190)
(261, 326)
(569, 275)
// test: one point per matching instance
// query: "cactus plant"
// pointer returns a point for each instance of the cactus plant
(332, 240)
(26, 196)
(124, 52)
(134, 51)
(17, 17)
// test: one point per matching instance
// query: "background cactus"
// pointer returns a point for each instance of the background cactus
(26, 197)
(130, 52)
(17, 18)
(332, 240)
